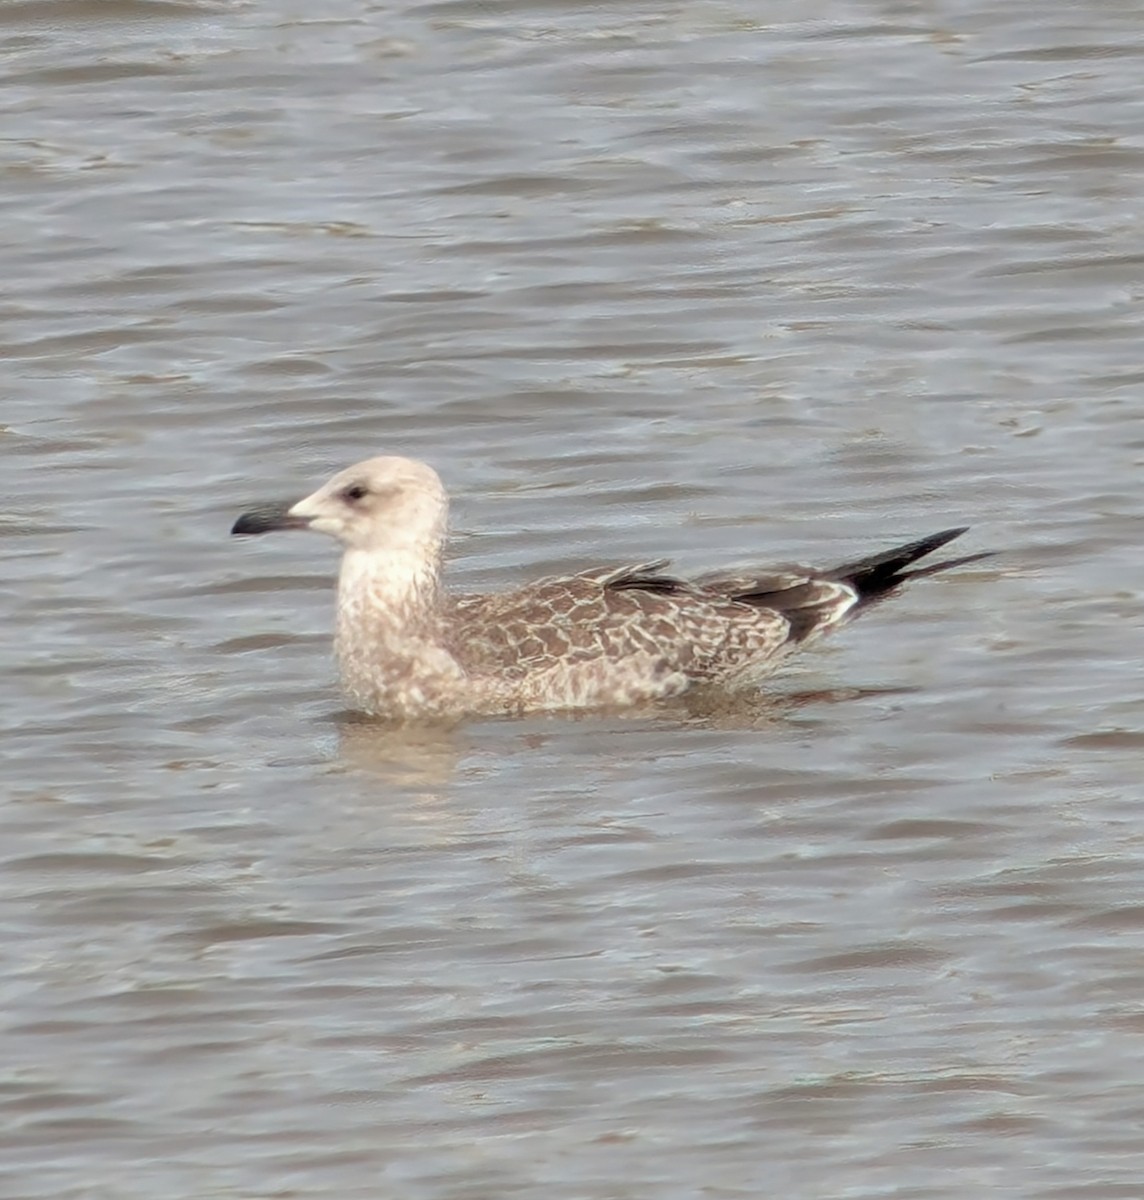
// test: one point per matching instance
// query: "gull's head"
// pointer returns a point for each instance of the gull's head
(384, 504)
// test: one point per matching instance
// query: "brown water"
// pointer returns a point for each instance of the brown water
(722, 281)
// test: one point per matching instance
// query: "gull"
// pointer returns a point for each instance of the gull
(408, 649)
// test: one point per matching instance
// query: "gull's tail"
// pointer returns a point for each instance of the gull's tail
(879, 574)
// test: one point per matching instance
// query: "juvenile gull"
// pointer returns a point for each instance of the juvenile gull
(617, 635)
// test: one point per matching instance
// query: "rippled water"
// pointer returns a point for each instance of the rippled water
(719, 281)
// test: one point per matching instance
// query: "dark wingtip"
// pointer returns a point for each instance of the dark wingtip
(266, 518)
(881, 573)
(948, 564)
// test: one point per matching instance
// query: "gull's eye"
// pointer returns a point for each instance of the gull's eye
(355, 492)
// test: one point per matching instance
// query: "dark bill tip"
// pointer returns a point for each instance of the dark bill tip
(266, 518)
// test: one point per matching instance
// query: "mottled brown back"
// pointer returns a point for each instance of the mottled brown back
(650, 632)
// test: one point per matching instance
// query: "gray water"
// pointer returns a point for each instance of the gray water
(725, 282)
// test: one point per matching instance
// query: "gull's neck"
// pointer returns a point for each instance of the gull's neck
(394, 591)
(388, 620)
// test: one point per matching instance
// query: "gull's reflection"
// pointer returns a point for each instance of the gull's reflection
(407, 756)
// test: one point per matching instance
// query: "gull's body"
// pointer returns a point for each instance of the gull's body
(613, 636)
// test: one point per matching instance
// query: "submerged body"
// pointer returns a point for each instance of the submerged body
(407, 649)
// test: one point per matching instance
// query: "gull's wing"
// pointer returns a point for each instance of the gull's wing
(664, 628)
(632, 632)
